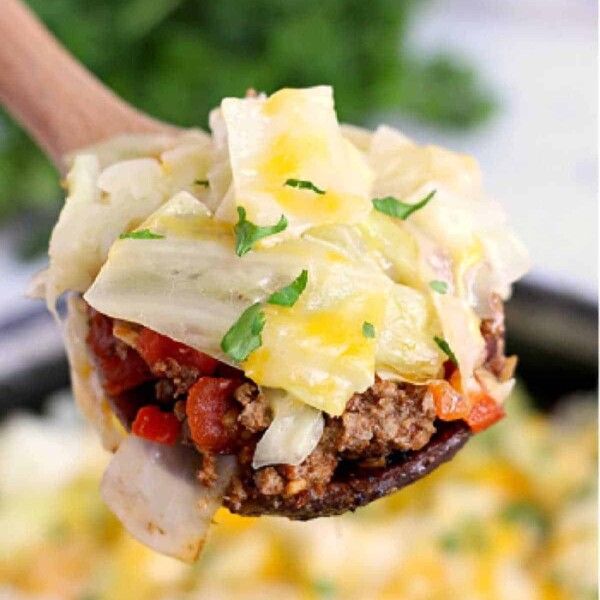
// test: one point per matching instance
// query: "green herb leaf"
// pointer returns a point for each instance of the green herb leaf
(396, 208)
(247, 233)
(450, 543)
(288, 296)
(142, 234)
(470, 536)
(244, 335)
(441, 287)
(202, 182)
(525, 513)
(325, 589)
(445, 347)
(368, 329)
(303, 185)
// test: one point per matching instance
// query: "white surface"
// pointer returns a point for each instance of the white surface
(539, 156)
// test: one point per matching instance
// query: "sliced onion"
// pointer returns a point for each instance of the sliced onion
(498, 390)
(153, 490)
(87, 389)
(461, 330)
(294, 433)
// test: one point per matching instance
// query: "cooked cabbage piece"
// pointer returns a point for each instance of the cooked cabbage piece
(292, 137)
(203, 238)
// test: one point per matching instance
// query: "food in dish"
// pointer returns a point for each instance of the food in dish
(290, 316)
(513, 516)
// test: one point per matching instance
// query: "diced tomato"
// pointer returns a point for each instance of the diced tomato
(478, 409)
(153, 424)
(450, 405)
(100, 336)
(449, 368)
(485, 412)
(212, 414)
(456, 381)
(119, 370)
(155, 347)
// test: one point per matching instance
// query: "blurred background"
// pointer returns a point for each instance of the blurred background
(514, 83)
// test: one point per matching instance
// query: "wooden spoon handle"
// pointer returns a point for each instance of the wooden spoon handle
(60, 104)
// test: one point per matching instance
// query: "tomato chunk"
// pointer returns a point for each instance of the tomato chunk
(485, 412)
(155, 347)
(153, 424)
(477, 408)
(212, 414)
(450, 405)
(120, 368)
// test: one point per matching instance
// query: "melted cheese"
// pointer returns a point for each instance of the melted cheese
(319, 355)
(294, 134)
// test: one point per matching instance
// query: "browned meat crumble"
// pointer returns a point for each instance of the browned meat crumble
(360, 454)
(388, 417)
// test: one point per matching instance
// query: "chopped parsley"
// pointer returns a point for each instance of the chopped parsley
(142, 234)
(247, 233)
(526, 513)
(470, 537)
(368, 329)
(325, 589)
(450, 542)
(202, 182)
(288, 296)
(304, 185)
(244, 335)
(445, 347)
(396, 208)
(441, 287)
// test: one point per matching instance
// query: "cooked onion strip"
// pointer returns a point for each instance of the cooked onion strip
(153, 490)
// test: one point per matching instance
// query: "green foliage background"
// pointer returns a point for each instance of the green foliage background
(176, 59)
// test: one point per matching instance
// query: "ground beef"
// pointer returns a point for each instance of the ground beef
(256, 413)
(177, 379)
(388, 425)
(492, 330)
(269, 481)
(207, 475)
(388, 417)
(352, 485)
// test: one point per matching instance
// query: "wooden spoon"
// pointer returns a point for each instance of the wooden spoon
(60, 104)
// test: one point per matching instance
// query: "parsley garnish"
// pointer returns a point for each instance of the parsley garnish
(304, 185)
(202, 182)
(288, 296)
(325, 589)
(441, 287)
(368, 329)
(450, 543)
(247, 233)
(396, 208)
(244, 335)
(525, 513)
(470, 537)
(142, 234)
(445, 347)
